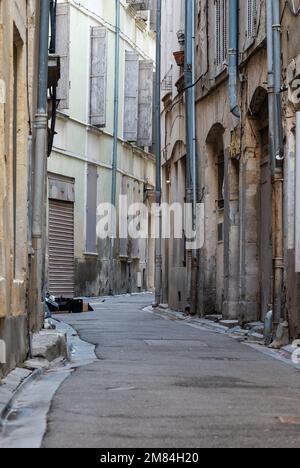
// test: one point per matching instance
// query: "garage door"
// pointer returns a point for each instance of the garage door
(61, 248)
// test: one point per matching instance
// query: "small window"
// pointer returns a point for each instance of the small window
(221, 34)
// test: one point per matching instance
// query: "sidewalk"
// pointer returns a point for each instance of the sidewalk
(251, 337)
(26, 393)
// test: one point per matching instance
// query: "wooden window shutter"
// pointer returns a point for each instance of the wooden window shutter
(135, 243)
(218, 32)
(221, 21)
(98, 81)
(253, 14)
(145, 103)
(203, 37)
(225, 31)
(91, 208)
(63, 50)
(131, 96)
(153, 12)
(123, 241)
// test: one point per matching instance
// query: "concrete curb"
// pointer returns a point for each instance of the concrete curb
(36, 393)
(6, 408)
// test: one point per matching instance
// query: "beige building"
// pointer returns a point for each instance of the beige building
(17, 51)
(81, 164)
(174, 171)
(26, 76)
(247, 264)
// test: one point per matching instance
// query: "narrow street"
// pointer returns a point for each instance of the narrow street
(161, 383)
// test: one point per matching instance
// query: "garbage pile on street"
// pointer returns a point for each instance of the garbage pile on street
(66, 306)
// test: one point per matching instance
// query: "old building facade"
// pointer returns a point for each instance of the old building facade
(17, 51)
(28, 75)
(174, 163)
(104, 130)
(247, 264)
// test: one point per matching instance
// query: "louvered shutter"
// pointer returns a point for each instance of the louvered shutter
(63, 50)
(131, 96)
(123, 241)
(218, 32)
(91, 218)
(135, 252)
(203, 38)
(145, 103)
(98, 81)
(153, 13)
(253, 13)
(221, 20)
(225, 31)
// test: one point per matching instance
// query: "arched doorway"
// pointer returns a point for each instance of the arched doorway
(259, 111)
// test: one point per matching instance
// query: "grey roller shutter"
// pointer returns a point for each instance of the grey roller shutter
(61, 248)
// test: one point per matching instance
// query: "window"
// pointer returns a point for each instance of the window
(221, 34)
(252, 18)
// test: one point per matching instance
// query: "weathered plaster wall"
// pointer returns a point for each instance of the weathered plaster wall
(77, 144)
(15, 17)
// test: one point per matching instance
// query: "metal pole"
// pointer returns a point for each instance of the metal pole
(194, 281)
(233, 56)
(40, 166)
(277, 51)
(297, 197)
(191, 141)
(271, 89)
(115, 140)
(278, 249)
(158, 240)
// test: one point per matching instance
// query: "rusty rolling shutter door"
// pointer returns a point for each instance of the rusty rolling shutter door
(61, 248)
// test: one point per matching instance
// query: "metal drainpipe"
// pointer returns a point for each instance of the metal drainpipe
(277, 179)
(233, 56)
(158, 240)
(194, 292)
(271, 88)
(40, 168)
(115, 141)
(191, 141)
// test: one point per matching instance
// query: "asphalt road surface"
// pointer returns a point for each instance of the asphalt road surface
(161, 384)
